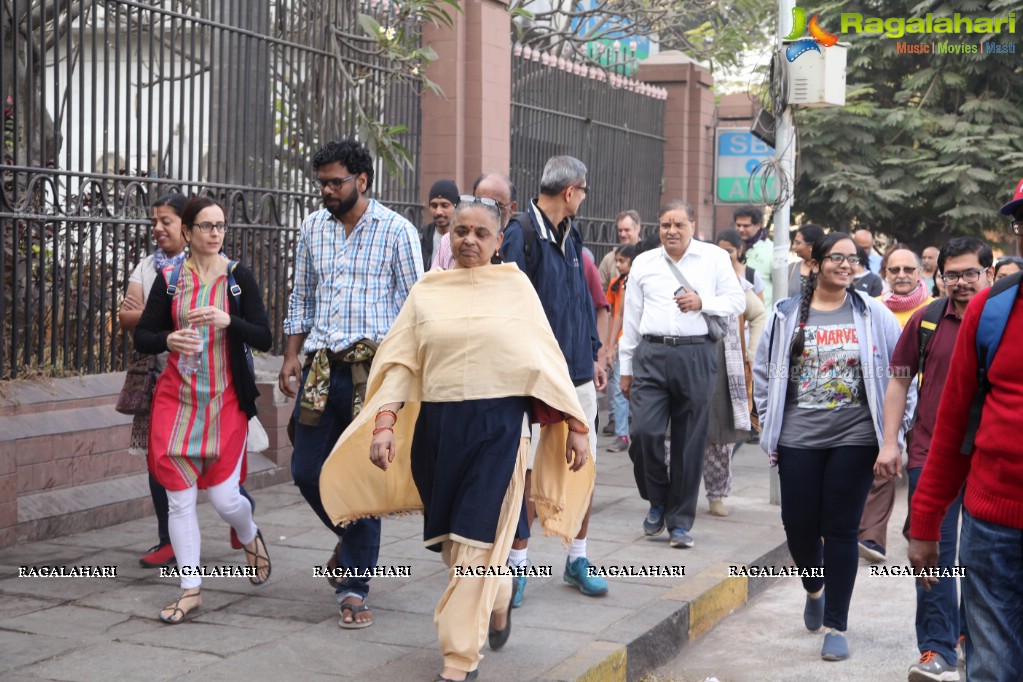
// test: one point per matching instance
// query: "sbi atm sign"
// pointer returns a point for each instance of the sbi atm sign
(738, 155)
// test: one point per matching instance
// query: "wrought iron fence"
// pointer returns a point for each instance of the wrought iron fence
(107, 105)
(612, 124)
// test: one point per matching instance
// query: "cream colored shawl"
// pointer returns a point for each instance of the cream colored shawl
(462, 334)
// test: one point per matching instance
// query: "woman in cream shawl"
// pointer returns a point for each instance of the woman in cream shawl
(454, 385)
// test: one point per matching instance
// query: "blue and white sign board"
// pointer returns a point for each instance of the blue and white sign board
(738, 153)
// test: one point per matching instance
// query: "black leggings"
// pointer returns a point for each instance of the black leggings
(822, 498)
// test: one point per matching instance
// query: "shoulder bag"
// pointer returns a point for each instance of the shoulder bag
(717, 326)
(136, 396)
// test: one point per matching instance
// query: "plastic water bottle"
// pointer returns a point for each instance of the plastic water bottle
(188, 364)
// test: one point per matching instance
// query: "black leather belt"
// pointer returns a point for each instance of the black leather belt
(677, 340)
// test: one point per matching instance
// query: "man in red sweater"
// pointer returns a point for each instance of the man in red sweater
(991, 539)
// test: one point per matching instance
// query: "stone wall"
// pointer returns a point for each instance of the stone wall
(64, 462)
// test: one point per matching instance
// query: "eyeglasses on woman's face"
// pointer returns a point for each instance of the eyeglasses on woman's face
(206, 228)
(837, 258)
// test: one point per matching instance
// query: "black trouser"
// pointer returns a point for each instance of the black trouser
(671, 383)
(822, 495)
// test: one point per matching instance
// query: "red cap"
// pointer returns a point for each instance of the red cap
(1017, 200)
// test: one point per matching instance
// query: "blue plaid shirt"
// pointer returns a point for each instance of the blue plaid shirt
(351, 288)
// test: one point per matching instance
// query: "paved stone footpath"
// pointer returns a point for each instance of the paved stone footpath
(93, 628)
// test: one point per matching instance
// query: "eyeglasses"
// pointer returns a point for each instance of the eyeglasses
(486, 201)
(908, 269)
(206, 228)
(473, 199)
(483, 201)
(334, 183)
(1017, 227)
(500, 207)
(837, 258)
(970, 276)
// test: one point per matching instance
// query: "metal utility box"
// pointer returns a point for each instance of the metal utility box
(817, 79)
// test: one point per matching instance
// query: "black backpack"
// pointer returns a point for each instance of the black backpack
(929, 325)
(528, 239)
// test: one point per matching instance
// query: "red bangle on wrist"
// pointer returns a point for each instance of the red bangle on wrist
(382, 428)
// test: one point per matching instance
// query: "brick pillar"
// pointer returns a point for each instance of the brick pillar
(688, 132)
(467, 130)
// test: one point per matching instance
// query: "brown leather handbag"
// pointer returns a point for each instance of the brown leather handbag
(136, 396)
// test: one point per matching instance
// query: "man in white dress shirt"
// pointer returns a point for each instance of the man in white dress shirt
(669, 365)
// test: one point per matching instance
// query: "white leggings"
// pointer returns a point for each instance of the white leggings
(183, 521)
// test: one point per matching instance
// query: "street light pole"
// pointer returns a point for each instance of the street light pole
(786, 151)
(785, 148)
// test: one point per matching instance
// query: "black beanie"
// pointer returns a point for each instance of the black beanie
(446, 189)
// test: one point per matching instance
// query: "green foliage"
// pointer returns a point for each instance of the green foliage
(928, 146)
(705, 30)
(399, 44)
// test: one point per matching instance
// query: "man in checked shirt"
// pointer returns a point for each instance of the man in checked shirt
(355, 263)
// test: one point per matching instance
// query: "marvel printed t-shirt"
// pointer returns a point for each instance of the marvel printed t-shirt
(826, 404)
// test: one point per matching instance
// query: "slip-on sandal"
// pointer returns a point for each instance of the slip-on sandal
(353, 610)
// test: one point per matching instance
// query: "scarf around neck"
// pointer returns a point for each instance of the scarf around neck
(761, 234)
(162, 261)
(900, 303)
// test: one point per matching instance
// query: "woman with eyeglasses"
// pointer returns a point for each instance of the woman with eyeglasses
(170, 251)
(453, 389)
(200, 415)
(820, 377)
(802, 246)
(1009, 265)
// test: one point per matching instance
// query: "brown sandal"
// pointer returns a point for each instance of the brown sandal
(175, 608)
(256, 556)
(332, 564)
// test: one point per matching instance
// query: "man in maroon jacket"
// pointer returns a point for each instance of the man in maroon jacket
(991, 540)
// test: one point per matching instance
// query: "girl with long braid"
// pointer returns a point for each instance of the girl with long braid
(820, 376)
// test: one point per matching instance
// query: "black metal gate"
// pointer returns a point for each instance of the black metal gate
(108, 104)
(614, 125)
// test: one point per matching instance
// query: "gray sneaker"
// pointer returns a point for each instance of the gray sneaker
(932, 666)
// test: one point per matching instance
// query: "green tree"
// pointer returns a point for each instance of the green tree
(706, 30)
(928, 146)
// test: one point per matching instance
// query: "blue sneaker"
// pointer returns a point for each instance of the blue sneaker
(813, 613)
(871, 551)
(680, 538)
(653, 524)
(835, 648)
(577, 574)
(518, 590)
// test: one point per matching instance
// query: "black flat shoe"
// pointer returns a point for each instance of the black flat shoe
(468, 676)
(498, 638)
